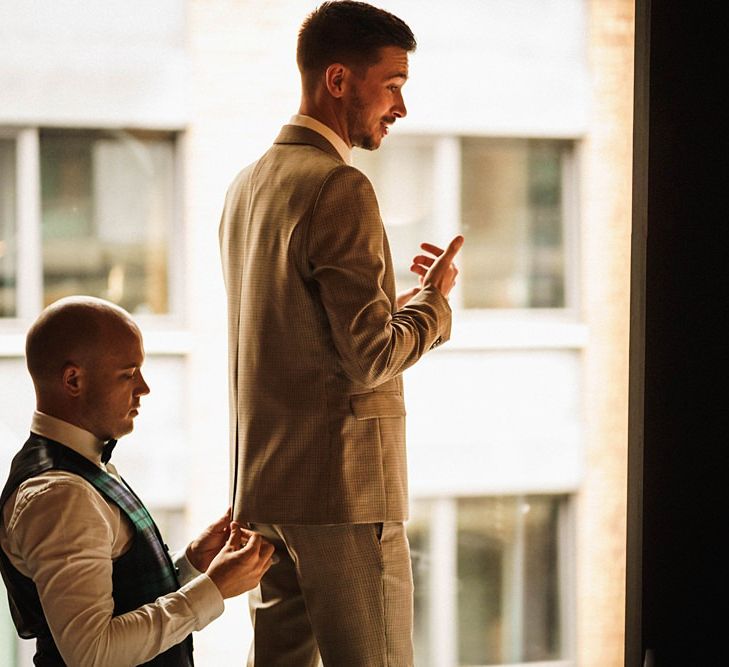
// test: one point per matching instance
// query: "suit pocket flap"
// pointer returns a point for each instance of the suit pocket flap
(377, 404)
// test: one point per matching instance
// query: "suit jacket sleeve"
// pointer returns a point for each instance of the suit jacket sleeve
(351, 266)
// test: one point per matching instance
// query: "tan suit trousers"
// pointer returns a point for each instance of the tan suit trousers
(343, 592)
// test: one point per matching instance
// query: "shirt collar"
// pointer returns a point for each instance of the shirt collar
(73, 437)
(330, 135)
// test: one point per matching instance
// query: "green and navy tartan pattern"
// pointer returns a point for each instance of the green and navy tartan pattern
(139, 576)
(141, 573)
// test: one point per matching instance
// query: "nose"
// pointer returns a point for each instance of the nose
(142, 386)
(399, 110)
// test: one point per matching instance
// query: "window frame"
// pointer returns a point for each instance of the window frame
(29, 279)
(447, 192)
(441, 522)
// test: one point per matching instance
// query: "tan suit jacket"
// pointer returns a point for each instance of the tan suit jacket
(316, 343)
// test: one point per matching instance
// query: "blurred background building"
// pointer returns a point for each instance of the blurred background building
(121, 125)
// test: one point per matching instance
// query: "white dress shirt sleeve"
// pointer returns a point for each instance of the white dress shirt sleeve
(186, 571)
(62, 532)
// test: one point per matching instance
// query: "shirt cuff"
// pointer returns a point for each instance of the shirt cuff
(205, 600)
(186, 571)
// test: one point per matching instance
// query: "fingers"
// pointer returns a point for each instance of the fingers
(253, 546)
(450, 252)
(423, 260)
(432, 249)
(440, 270)
(259, 551)
(453, 247)
(419, 270)
(234, 539)
(221, 524)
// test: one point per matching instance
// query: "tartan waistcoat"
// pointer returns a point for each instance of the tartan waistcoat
(139, 576)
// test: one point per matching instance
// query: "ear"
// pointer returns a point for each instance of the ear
(73, 380)
(334, 78)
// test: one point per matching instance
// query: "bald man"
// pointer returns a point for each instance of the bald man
(86, 570)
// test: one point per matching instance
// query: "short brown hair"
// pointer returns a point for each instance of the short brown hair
(351, 33)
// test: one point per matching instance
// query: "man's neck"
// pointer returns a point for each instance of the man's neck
(345, 152)
(67, 433)
(328, 115)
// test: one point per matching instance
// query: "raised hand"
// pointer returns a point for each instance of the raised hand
(240, 564)
(437, 269)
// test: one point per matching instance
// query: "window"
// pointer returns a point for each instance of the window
(8, 205)
(491, 580)
(511, 198)
(95, 217)
(511, 203)
(107, 202)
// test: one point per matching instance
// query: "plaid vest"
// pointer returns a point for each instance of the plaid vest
(140, 576)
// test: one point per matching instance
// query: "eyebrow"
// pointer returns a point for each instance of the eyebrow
(398, 75)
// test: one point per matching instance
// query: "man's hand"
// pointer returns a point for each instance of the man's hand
(206, 546)
(241, 562)
(437, 268)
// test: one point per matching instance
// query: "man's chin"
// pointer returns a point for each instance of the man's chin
(125, 429)
(369, 143)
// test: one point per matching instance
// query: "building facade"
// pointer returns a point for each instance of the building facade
(121, 125)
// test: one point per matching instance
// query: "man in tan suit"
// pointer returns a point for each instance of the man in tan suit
(318, 342)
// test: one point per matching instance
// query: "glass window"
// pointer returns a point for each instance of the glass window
(502, 582)
(8, 244)
(512, 216)
(419, 528)
(508, 607)
(505, 195)
(107, 201)
(403, 180)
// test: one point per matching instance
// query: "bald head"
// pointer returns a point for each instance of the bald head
(74, 330)
(85, 356)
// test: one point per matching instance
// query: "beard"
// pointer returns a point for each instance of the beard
(358, 133)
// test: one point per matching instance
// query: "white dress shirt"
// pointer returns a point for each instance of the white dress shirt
(61, 532)
(330, 135)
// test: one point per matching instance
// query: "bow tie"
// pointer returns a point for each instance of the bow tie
(106, 450)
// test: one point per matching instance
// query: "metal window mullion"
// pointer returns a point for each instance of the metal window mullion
(447, 197)
(30, 246)
(566, 578)
(571, 228)
(443, 613)
(513, 587)
(178, 232)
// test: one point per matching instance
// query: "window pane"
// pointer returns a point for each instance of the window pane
(419, 530)
(512, 217)
(508, 603)
(8, 247)
(402, 175)
(107, 208)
